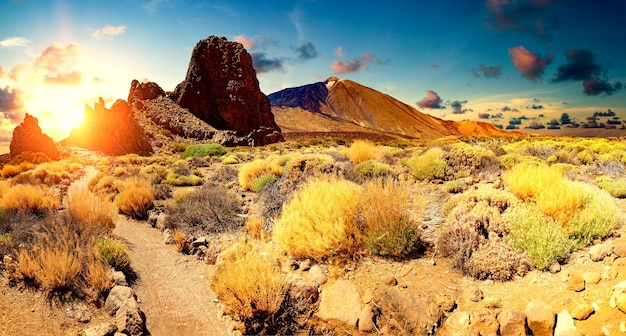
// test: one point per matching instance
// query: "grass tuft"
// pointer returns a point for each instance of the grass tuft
(136, 198)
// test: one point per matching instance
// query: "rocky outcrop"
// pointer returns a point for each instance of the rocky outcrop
(122, 304)
(27, 137)
(143, 91)
(221, 88)
(111, 131)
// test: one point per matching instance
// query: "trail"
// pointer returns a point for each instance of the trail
(172, 289)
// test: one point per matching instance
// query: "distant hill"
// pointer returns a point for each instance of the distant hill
(340, 105)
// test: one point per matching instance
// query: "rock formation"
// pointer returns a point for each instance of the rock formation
(112, 131)
(143, 91)
(221, 88)
(27, 137)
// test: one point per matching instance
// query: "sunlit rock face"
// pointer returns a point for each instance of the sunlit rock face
(111, 131)
(27, 137)
(143, 91)
(222, 89)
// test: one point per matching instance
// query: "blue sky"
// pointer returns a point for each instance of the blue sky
(452, 59)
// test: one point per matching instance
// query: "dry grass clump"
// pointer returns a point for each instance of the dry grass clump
(136, 198)
(154, 172)
(255, 227)
(321, 220)
(30, 157)
(209, 208)
(182, 245)
(429, 165)
(474, 231)
(106, 185)
(617, 188)
(465, 159)
(250, 172)
(92, 212)
(363, 150)
(388, 227)
(26, 198)
(181, 174)
(597, 219)
(252, 288)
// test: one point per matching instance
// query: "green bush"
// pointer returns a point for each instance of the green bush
(430, 165)
(260, 182)
(617, 188)
(452, 187)
(203, 150)
(371, 168)
(114, 253)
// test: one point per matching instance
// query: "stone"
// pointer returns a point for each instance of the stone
(599, 252)
(104, 329)
(317, 275)
(512, 323)
(540, 318)
(27, 137)
(118, 296)
(582, 311)
(555, 267)
(390, 281)
(565, 325)
(620, 251)
(201, 241)
(620, 302)
(446, 302)
(457, 324)
(129, 319)
(576, 283)
(367, 318)
(591, 277)
(143, 91)
(406, 312)
(475, 294)
(111, 131)
(484, 325)
(80, 312)
(302, 294)
(118, 278)
(222, 89)
(341, 302)
(618, 296)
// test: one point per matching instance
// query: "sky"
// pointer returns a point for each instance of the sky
(451, 59)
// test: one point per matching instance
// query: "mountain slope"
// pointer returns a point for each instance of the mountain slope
(346, 106)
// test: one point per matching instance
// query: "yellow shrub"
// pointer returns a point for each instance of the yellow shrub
(97, 273)
(429, 165)
(363, 150)
(321, 220)
(28, 198)
(250, 172)
(255, 228)
(136, 198)
(10, 170)
(5, 185)
(103, 184)
(91, 212)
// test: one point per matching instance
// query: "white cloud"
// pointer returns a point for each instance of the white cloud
(108, 30)
(15, 42)
(339, 51)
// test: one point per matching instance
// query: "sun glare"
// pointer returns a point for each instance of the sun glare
(59, 109)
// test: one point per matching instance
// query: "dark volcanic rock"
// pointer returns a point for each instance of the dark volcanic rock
(143, 91)
(112, 131)
(221, 88)
(27, 137)
(309, 97)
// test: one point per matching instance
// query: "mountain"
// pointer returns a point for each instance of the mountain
(340, 105)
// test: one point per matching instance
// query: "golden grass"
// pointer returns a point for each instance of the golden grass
(26, 198)
(91, 212)
(254, 226)
(181, 240)
(429, 165)
(387, 226)
(250, 172)
(321, 220)
(251, 285)
(5, 185)
(97, 273)
(363, 150)
(104, 184)
(136, 198)
(10, 170)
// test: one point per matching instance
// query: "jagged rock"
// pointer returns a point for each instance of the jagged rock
(122, 303)
(118, 278)
(118, 296)
(446, 302)
(168, 239)
(112, 131)
(104, 329)
(143, 91)
(565, 325)
(456, 325)
(406, 313)
(27, 137)
(341, 302)
(221, 88)
(79, 312)
(583, 311)
(367, 318)
(302, 294)
(512, 323)
(484, 325)
(540, 318)
(599, 252)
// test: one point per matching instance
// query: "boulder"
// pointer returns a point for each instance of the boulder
(484, 325)
(111, 131)
(582, 311)
(367, 318)
(222, 89)
(540, 318)
(512, 323)
(27, 137)
(576, 283)
(104, 329)
(122, 303)
(565, 325)
(341, 302)
(118, 296)
(143, 91)
(599, 252)
(592, 277)
(406, 312)
(317, 275)
(457, 324)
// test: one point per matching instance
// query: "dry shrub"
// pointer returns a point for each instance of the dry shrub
(429, 165)
(97, 273)
(251, 287)
(598, 217)
(498, 261)
(465, 159)
(30, 157)
(372, 168)
(250, 172)
(91, 212)
(255, 228)
(363, 150)
(321, 220)
(182, 245)
(181, 174)
(10, 170)
(154, 172)
(209, 208)
(26, 198)
(5, 185)
(104, 184)
(387, 224)
(136, 198)
(617, 188)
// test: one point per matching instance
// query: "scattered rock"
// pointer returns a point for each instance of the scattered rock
(565, 325)
(27, 137)
(79, 312)
(540, 318)
(221, 88)
(576, 283)
(118, 278)
(620, 302)
(122, 303)
(599, 252)
(143, 91)
(201, 241)
(302, 294)
(406, 313)
(367, 318)
(475, 294)
(104, 329)
(118, 296)
(512, 323)
(456, 325)
(446, 302)
(492, 303)
(305, 265)
(555, 268)
(317, 275)
(341, 302)
(167, 238)
(390, 281)
(620, 251)
(484, 325)
(583, 311)
(591, 277)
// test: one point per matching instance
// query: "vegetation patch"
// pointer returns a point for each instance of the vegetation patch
(202, 150)
(136, 198)
(372, 169)
(429, 165)
(617, 188)
(363, 150)
(26, 198)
